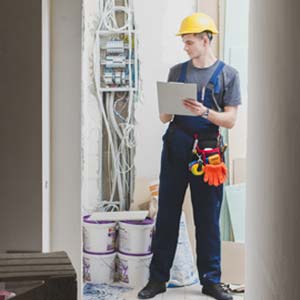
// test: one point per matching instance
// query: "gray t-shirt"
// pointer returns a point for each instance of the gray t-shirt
(230, 94)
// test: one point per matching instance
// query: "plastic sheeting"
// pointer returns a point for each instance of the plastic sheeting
(183, 271)
(236, 201)
(103, 292)
(234, 213)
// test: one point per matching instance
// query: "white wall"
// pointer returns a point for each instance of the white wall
(91, 117)
(273, 223)
(65, 129)
(159, 49)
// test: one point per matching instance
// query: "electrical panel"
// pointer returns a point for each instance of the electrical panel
(118, 62)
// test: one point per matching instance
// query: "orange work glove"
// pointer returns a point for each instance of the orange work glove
(215, 174)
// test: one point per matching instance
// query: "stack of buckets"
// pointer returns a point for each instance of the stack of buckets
(117, 251)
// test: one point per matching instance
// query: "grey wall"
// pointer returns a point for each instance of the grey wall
(20, 125)
(65, 129)
(273, 200)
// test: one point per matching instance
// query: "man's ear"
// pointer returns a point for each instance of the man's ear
(206, 40)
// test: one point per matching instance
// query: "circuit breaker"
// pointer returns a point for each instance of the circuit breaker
(118, 62)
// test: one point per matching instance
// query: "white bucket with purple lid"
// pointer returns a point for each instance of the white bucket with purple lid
(135, 237)
(99, 236)
(133, 269)
(99, 267)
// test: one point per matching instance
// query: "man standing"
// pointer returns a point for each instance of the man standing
(193, 155)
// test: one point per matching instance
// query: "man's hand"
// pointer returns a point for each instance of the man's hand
(195, 107)
(226, 118)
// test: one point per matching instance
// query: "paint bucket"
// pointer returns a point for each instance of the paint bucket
(133, 269)
(99, 267)
(99, 236)
(135, 237)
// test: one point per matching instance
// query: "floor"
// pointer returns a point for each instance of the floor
(183, 293)
(117, 292)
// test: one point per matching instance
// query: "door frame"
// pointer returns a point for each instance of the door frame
(46, 208)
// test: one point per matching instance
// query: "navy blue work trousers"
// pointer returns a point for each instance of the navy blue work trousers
(206, 202)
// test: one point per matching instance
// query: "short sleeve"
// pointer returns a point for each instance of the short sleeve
(174, 73)
(232, 93)
(170, 76)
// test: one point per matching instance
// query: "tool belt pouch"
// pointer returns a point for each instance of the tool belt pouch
(215, 171)
(210, 156)
(204, 156)
(214, 154)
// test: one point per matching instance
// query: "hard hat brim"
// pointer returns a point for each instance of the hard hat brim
(190, 32)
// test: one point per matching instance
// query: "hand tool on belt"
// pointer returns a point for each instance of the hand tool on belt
(208, 149)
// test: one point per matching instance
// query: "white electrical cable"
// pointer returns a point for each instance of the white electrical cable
(96, 52)
(108, 16)
(113, 119)
(124, 144)
(121, 154)
(126, 126)
(118, 176)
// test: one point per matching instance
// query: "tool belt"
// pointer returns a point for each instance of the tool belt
(207, 155)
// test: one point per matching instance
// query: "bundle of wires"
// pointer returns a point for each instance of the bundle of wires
(119, 123)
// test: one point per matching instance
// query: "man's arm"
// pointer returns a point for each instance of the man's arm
(225, 119)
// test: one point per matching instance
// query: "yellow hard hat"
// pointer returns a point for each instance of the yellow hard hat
(196, 23)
